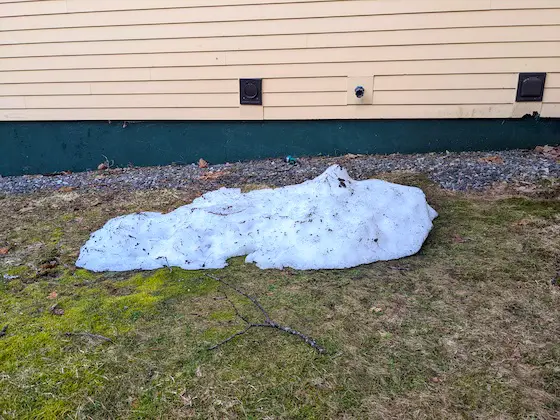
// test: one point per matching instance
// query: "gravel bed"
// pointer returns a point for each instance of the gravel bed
(454, 171)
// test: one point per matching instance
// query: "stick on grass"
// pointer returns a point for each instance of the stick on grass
(268, 322)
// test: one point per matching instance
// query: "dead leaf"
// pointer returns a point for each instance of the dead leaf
(492, 159)
(52, 295)
(212, 175)
(523, 222)
(198, 372)
(4, 251)
(49, 265)
(187, 399)
(458, 239)
(435, 380)
(66, 189)
(549, 151)
(202, 164)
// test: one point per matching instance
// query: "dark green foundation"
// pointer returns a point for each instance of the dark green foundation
(47, 147)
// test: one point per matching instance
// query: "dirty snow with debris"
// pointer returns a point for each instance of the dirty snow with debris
(329, 222)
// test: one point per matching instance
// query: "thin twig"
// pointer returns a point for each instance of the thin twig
(88, 335)
(305, 338)
(231, 337)
(224, 214)
(235, 309)
(166, 263)
(252, 299)
(268, 323)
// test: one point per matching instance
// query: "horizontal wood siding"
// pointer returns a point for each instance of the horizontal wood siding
(181, 59)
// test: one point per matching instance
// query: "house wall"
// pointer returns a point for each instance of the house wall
(181, 59)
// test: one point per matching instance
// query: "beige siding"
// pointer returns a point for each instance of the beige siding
(181, 59)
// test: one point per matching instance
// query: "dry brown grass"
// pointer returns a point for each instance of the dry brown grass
(468, 328)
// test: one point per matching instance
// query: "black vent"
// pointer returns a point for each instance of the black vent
(250, 91)
(531, 87)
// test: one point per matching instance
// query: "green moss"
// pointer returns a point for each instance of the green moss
(67, 217)
(20, 270)
(76, 278)
(254, 187)
(221, 316)
(236, 262)
(36, 338)
(84, 275)
(56, 235)
(215, 334)
(168, 283)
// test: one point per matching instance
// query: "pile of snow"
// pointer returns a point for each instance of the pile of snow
(329, 222)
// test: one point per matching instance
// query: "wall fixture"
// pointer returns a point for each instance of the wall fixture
(531, 87)
(360, 92)
(250, 91)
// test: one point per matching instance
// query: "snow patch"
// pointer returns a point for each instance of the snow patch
(329, 222)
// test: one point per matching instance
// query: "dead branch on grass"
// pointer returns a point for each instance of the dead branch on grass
(268, 322)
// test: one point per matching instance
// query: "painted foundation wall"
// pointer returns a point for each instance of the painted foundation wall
(47, 147)
(181, 59)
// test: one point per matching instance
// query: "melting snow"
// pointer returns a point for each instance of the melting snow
(329, 222)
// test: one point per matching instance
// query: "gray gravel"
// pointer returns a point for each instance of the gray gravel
(454, 171)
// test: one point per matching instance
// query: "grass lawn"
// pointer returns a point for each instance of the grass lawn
(468, 328)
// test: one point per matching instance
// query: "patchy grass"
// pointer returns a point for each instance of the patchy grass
(468, 328)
